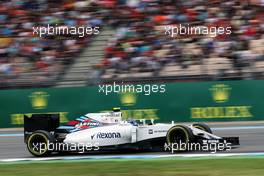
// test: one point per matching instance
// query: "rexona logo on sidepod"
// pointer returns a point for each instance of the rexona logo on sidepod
(106, 135)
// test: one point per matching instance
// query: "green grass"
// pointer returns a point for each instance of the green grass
(156, 167)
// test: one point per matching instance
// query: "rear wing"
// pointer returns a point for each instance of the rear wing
(47, 122)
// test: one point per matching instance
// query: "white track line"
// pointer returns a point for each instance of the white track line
(133, 157)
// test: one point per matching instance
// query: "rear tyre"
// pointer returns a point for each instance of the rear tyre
(203, 126)
(38, 142)
(178, 137)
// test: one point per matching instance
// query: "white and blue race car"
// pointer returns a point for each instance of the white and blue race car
(108, 131)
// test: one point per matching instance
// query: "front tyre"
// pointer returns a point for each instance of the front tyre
(38, 142)
(178, 137)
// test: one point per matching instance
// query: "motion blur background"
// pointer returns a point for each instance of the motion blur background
(130, 46)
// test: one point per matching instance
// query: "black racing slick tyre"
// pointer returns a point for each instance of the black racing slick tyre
(178, 137)
(38, 142)
(203, 126)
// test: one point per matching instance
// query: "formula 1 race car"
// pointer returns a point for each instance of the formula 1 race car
(43, 134)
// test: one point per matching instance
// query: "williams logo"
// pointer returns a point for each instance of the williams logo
(106, 135)
(39, 100)
(220, 93)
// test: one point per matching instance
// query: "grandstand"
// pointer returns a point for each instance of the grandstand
(130, 46)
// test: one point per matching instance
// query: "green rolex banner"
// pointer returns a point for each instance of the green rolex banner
(180, 102)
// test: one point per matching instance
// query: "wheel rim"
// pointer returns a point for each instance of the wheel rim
(37, 144)
(178, 135)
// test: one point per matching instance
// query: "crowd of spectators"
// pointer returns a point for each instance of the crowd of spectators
(25, 56)
(140, 40)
